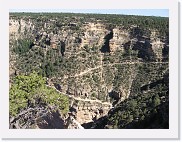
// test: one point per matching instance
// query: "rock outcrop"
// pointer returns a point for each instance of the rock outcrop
(96, 63)
(120, 37)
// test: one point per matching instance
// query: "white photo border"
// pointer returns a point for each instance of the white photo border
(171, 133)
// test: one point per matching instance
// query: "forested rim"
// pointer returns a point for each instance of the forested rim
(104, 71)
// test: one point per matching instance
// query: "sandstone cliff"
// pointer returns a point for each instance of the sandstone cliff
(97, 63)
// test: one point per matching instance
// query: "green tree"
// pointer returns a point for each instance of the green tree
(156, 101)
(132, 104)
(27, 88)
(22, 46)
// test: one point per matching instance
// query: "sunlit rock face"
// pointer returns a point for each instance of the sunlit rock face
(95, 60)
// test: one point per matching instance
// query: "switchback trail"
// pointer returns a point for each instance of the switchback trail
(105, 65)
(80, 99)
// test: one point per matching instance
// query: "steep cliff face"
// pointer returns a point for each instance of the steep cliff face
(120, 37)
(88, 110)
(18, 27)
(96, 63)
(93, 34)
(157, 46)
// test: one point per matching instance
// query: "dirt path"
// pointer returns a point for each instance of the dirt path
(80, 99)
(97, 67)
(86, 71)
(104, 65)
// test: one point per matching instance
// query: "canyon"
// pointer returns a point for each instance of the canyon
(100, 65)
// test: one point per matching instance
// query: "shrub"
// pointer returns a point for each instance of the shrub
(22, 46)
(28, 88)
